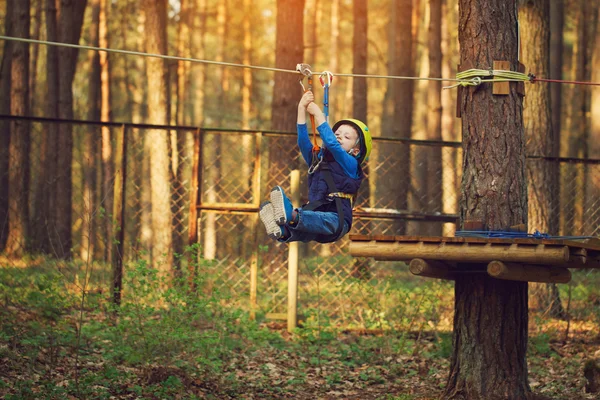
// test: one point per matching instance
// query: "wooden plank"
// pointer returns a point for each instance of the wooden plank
(528, 273)
(395, 251)
(431, 269)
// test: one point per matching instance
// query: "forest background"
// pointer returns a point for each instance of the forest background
(401, 38)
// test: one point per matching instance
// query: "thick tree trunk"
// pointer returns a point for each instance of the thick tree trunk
(158, 113)
(18, 153)
(490, 321)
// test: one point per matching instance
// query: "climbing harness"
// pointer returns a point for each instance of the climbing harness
(333, 194)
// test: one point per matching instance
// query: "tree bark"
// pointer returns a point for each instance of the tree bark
(5, 124)
(450, 161)
(490, 320)
(573, 180)
(88, 226)
(70, 22)
(289, 51)
(106, 135)
(18, 153)
(534, 18)
(432, 184)
(158, 113)
(397, 115)
(37, 19)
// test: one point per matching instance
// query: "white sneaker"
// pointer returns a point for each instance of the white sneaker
(267, 216)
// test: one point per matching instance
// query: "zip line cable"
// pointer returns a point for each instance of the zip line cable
(470, 77)
(196, 60)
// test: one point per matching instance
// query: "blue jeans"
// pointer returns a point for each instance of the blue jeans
(313, 226)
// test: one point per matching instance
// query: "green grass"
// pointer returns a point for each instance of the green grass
(60, 336)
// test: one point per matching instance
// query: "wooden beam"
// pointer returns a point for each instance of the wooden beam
(467, 253)
(528, 273)
(431, 269)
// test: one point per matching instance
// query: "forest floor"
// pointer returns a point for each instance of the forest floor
(348, 366)
(58, 344)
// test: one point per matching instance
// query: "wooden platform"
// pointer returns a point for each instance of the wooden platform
(532, 260)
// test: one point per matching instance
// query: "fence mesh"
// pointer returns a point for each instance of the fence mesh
(67, 207)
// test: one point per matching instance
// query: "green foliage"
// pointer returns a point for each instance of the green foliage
(167, 340)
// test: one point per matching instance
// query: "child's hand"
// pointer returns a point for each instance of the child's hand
(313, 109)
(307, 98)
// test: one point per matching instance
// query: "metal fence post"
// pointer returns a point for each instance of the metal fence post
(118, 218)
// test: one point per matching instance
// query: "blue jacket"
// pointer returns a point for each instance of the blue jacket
(345, 170)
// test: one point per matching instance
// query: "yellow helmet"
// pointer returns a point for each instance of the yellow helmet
(365, 136)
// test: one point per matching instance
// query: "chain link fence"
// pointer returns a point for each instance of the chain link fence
(139, 192)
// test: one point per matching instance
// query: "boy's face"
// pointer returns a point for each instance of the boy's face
(347, 137)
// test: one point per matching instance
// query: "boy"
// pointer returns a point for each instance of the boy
(333, 181)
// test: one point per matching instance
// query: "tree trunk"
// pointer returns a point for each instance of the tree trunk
(573, 185)
(534, 18)
(158, 113)
(490, 316)
(199, 70)
(450, 160)
(37, 19)
(5, 124)
(18, 153)
(432, 185)
(90, 141)
(555, 72)
(215, 156)
(106, 135)
(70, 21)
(595, 99)
(398, 106)
(44, 198)
(359, 107)
(289, 50)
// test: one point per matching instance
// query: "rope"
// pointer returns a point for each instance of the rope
(472, 77)
(517, 235)
(462, 77)
(196, 60)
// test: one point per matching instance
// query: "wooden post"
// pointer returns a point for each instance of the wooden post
(254, 274)
(118, 218)
(256, 201)
(528, 273)
(292, 315)
(193, 218)
(430, 269)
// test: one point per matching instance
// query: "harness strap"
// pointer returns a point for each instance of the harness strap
(338, 200)
(343, 195)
